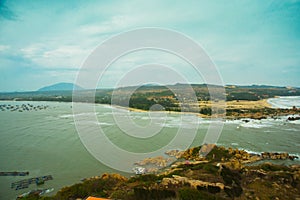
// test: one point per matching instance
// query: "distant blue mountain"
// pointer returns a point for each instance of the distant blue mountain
(60, 87)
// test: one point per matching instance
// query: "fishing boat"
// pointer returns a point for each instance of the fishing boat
(38, 192)
(14, 173)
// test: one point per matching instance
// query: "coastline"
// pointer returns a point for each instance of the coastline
(250, 109)
(235, 109)
(223, 173)
(239, 121)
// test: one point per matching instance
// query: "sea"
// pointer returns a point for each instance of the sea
(46, 142)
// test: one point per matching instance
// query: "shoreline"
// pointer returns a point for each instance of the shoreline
(211, 175)
(235, 109)
(260, 105)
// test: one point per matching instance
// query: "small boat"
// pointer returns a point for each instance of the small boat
(45, 191)
(26, 182)
(14, 173)
(39, 181)
(35, 192)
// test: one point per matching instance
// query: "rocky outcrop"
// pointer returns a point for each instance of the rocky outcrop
(175, 153)
(277, 156)
(205, 149)
(241, 155)
(179, 181)
(293, 118)
(118, 177)
(217, 177)
(158, 161)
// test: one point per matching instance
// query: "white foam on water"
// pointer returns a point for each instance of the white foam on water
(66, 116)
(294, 122)
(256, 124)
(80, 114)
(291, 129)
(103, 123)
(285, 102)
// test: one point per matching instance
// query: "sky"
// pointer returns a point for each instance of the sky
(250, 42)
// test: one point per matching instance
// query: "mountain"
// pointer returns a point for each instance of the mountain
(60, 87)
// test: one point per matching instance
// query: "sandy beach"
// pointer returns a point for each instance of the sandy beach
(242, 104)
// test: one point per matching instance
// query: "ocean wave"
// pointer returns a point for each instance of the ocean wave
(79, 114)
(255, 124)
(104, 123)
(294, 122)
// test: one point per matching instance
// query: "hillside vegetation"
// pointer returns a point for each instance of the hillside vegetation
(242, 101)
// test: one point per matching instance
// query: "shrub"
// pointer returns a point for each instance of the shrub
(216, 154)
(271, 167)
(210, 168)
(145, 194)
(144, 178)
(190, 194)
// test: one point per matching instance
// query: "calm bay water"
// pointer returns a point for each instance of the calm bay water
(46, 142)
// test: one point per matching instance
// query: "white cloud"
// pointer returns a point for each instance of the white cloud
(115, 23)
(239, 36)
(65, 56)
(4, 47)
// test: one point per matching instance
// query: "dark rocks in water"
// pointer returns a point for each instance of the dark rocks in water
(277, 156)
(293, 118)
(293, 157)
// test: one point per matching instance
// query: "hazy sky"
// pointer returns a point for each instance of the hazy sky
(251, 42)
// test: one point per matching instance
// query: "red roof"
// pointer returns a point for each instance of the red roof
(95, 198)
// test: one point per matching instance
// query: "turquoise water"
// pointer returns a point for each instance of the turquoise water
(46, 141)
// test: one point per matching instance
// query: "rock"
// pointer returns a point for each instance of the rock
(158, 161)
(174, 153)
(252, 158)
(178, 181)
(152, 170)
(293, 157)
(205, 149)
(113, 176)
(236, 164)
(265, 155)
(181, 179)
(284, 156)
(277, 156)
(233, 164)
(167, 182)
(234, 191)
(189, 173)
(213, 189)
(293, 118)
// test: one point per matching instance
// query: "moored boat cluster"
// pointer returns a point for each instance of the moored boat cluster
(23, 107)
